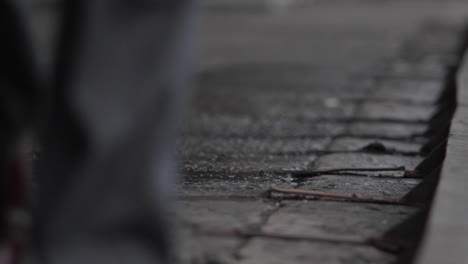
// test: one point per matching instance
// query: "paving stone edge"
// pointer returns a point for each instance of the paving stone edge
(446, 236)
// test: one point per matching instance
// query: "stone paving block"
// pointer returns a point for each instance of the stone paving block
(254, 5)
(284, 103)
(271, 77)
(442, 50)
(423, 69)
(197, 217)
(395, 111)
(280, 252)
(246, 175)
(230, 5)
(328, 110)
(229, 126)
(386, 130)
(221, 215)
(193, 249)
(446, 59)
(433, 40)
(306, 111)
(364, 160)
(284, 96)
(243, 104)
(307, 97)
(335, 220)
(357, 144)
(251, 74)
(417, 91)
(380, 188)
(237, 163)
(241, 184)
(193, 145)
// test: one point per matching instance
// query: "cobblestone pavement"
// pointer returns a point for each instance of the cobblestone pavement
(300, 86)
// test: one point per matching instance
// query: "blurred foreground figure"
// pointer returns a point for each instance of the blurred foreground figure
(107, 115)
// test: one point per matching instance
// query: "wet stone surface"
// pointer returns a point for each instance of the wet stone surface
(299, 78)
(375, 187)
(195, 249)
(295, 88)
(196, 145)
(430, 69)
(250, 107)
(369, 144)
(288, 97)
(218, 215)
(306, 112)
(335, 220)
(280, 252)
(439, 45)
(225, 184)
(395, 111)
(229, 126)
(229, 183)
(387, 130)
(237, 163)
(218, 182)
(364, 160)
(408, 90)
(328, 110)
(198, 218)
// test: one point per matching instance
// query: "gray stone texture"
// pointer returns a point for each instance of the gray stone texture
(365, 160)
(223, 214)
(307, 85)
(391, 110)
(215, 125)
(446, 237)
(358, 144)
(388, 130)
(381, 188)
(302, 252)
(407, 90)
(335, 220)
(197, 145)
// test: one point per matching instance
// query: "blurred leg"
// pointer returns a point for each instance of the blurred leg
(18, 87)
(18, 105)
(122, 74)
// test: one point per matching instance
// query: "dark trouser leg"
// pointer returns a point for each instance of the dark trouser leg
(19, 99)
(107, 168)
